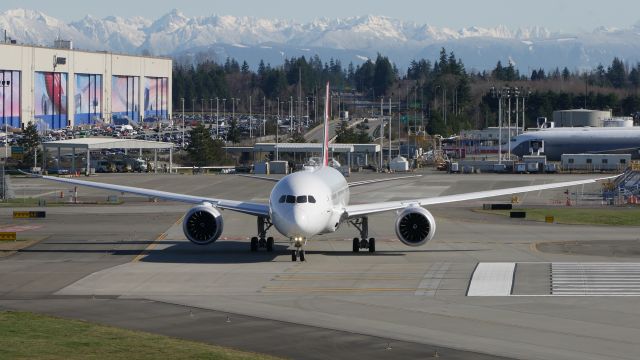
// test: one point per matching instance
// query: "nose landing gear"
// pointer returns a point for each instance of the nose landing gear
(298, 248)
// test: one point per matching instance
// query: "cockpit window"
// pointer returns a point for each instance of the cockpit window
(312, 199)
(291, 199)
(301, 199)
(282, 198)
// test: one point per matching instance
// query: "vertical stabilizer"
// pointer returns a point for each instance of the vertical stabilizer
(325, 140)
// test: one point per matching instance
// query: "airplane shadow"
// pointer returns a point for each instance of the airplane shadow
(220, 252)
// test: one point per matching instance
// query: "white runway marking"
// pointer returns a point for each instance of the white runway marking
(595, 279)
(492, 279)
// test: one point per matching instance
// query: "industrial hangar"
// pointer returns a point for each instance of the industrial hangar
(60, 86)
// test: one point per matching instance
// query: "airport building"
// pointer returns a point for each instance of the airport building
(58, 87)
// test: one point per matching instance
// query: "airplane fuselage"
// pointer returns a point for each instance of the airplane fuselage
(558, 141)
(309, 203)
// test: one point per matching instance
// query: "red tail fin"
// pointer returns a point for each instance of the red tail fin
(325, 140)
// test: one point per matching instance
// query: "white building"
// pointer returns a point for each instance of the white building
(58, 87)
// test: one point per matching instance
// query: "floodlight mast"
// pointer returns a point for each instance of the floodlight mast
(381, 131)
(182, 101)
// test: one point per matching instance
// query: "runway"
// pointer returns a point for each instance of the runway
(399, 302)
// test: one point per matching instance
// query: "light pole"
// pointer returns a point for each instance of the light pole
(224, 109)
(381, 131)
(233, 108)
(182, 101)
(307, 99)
(264, 115)
(291, 115)
(202, 112)
(277, 127)
(211, 112)
(525, 94)
(390, 118)
(516, 92)
(497, 93)
(509, 123)
(217, 117)
(444, 105)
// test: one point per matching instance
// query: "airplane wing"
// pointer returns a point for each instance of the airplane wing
(245, 207)
(375, 181)
(365, 209)
(265, 178)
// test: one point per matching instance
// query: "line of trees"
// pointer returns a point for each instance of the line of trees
(209, 80)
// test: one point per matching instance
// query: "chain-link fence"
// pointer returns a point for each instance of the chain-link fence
(5, 185)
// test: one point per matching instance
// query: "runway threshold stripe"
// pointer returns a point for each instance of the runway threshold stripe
(153, 245)
(492, 279)
(595, 279)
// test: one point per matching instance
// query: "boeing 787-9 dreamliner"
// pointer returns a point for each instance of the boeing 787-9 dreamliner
(312, 202)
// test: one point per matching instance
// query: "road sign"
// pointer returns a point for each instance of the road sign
(7, 236)
(29, 214)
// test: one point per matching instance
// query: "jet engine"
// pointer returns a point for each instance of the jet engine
(202, 224)
(415, 226)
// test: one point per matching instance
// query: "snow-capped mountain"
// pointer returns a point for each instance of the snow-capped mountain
(350, 39)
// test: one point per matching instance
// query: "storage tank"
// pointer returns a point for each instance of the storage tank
(580, 118)
(399, 164)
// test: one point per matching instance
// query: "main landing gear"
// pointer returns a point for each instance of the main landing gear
(362, 224)
(261, 241)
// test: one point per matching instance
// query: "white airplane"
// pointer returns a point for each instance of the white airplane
(313, 202)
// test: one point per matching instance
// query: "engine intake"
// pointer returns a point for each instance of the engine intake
(202, 224)
(415, 226)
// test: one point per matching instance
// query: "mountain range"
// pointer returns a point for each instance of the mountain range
(352, 39)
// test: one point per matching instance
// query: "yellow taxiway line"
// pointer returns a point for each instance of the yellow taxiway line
(344, 278)
(328, 289)
(153, 245)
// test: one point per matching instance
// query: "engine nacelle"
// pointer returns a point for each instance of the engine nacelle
(415, 226)
(202, 224)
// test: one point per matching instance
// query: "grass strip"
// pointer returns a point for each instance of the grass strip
(580, 216)
(25, 335)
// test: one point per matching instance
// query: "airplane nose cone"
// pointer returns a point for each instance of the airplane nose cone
(303, 223)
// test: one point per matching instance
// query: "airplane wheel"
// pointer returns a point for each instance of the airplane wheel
(270, 244)
(372, 245)
(254, 244)
(301, 255)
(294, 256)
(356, 244)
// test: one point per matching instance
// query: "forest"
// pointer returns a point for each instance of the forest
(449, 96)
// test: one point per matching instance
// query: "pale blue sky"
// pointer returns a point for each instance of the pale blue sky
(557, 15)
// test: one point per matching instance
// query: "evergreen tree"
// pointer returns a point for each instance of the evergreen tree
(383, 75)
(617, 74)
(634, 76)
(245, 68)
(30, 143)
(203, 150)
